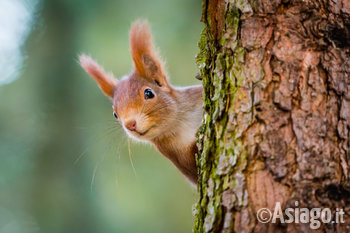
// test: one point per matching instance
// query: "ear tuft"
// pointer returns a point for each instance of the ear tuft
(146, 60)
(106, 81)
(140, 44)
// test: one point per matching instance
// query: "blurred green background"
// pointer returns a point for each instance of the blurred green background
(64, 160)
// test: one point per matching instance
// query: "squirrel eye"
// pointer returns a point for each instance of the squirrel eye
(149, 94)
(115, 115)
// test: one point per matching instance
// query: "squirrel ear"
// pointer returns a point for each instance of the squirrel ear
(146, 60)
(106, 81)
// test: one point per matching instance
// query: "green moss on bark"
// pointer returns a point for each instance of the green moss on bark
(222, 157)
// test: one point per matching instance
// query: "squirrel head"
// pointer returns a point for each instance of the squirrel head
(144, 101)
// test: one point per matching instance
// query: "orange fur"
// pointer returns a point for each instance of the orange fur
(106, 81)
(141, 44)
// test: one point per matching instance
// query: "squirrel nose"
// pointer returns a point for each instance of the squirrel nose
(130, 125)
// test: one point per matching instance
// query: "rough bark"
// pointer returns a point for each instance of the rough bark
(276, 124)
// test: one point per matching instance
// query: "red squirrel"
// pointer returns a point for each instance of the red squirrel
(148, 107)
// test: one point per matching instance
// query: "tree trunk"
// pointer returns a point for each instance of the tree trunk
(276, 122)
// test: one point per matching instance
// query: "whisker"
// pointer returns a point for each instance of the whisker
(115, 149)
(80, 156)
(131, 161)
(93, 176)
(107, 151)
(156, 109)
(99, 137)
